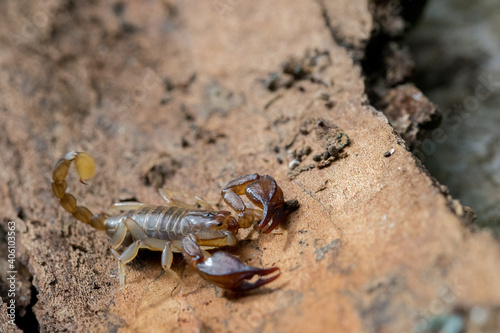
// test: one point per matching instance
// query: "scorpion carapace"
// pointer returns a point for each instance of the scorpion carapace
(180, 227)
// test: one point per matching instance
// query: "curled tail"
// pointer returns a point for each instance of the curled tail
(85, 166)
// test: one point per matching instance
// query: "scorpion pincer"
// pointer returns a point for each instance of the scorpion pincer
(180, 227)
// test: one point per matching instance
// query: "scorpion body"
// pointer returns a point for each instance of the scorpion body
(180, 227)
(172, 223)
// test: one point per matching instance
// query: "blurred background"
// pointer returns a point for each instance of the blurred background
(456, 48)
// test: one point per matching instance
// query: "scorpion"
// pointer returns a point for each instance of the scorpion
(183, 228)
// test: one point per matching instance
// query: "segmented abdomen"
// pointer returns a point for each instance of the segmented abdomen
(162, 222)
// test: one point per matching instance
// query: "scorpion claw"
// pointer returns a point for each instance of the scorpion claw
(226, 270)
(263, 192)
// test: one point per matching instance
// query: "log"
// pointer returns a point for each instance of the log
(190, 95)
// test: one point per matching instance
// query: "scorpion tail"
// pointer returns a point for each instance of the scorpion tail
(85, 166)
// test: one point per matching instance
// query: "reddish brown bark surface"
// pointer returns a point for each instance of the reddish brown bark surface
(179, 94)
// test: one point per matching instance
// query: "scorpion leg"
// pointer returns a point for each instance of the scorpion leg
(204, 204)
(141, 241)
(225, 270)
(129, 205)
(127, 256)
(167, 256)
(168, 196)
(261, 191)
(118, 236)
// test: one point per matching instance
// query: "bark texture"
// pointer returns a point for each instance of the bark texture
(190, 95)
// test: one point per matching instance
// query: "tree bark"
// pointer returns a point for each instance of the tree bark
(190, 95)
